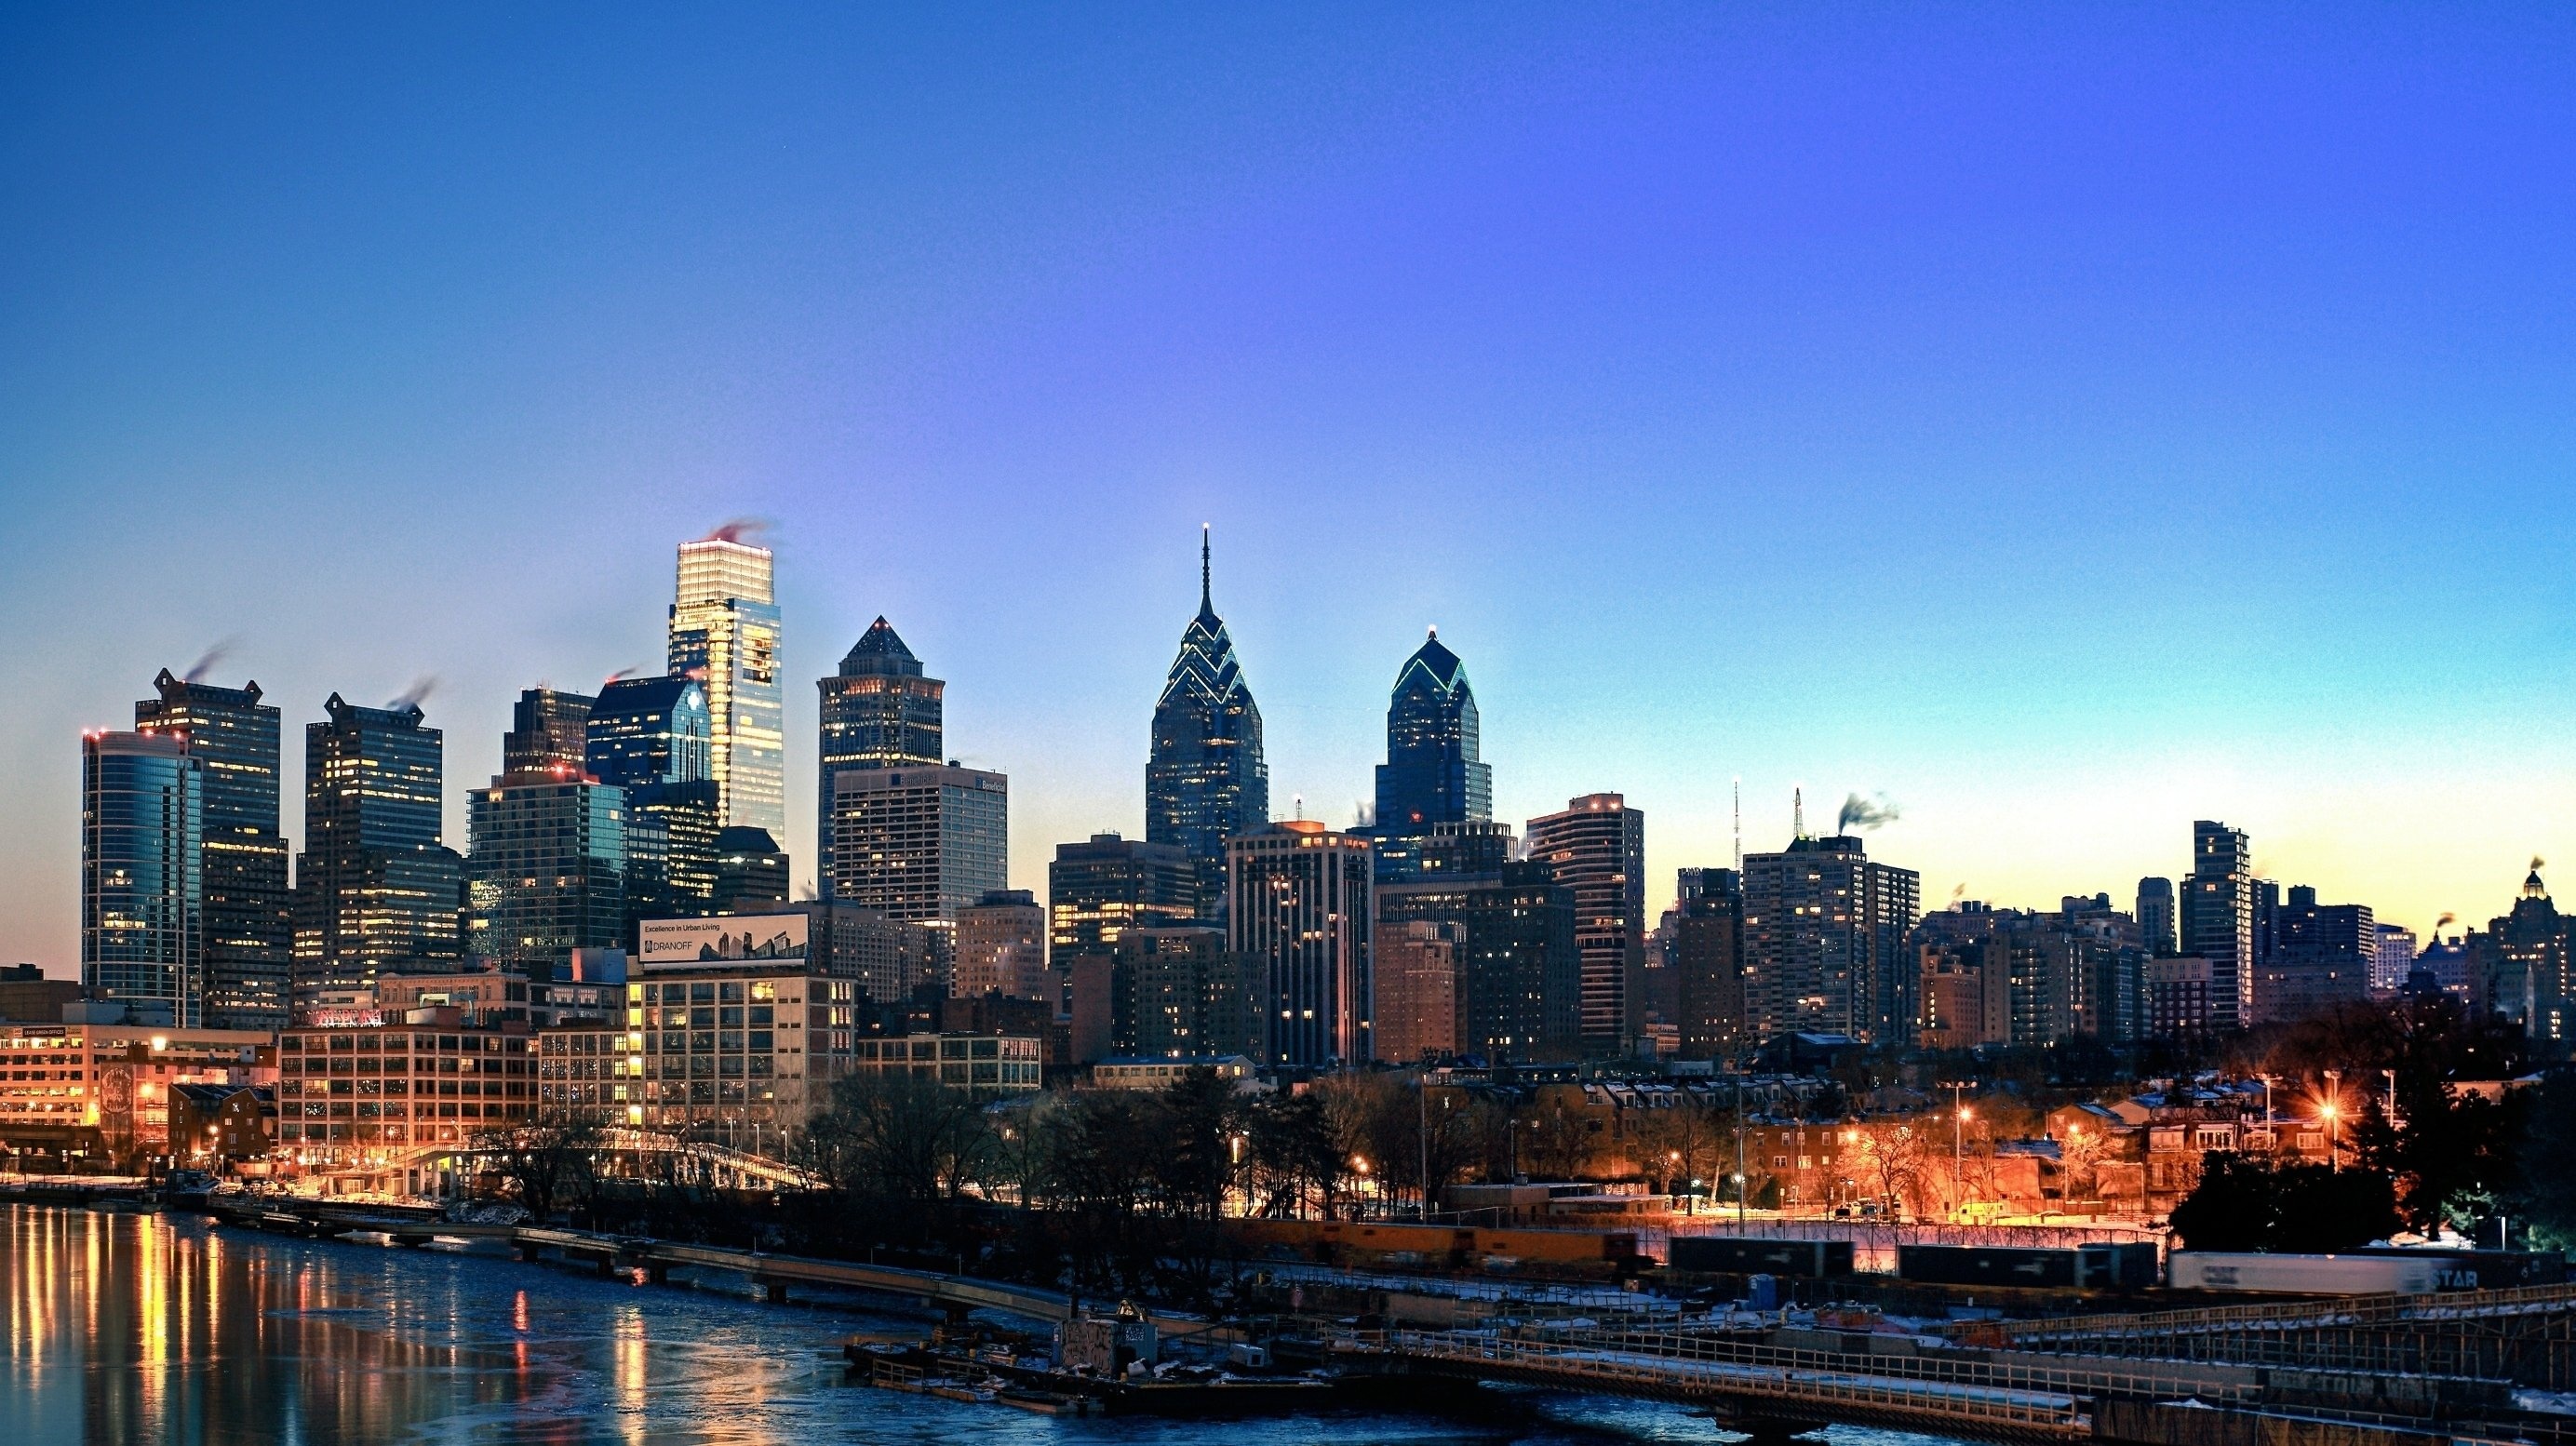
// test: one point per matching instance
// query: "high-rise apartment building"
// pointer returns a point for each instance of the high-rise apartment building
(2156, 918)
(2392, 957)
(1299, 906)
(2315, 957)
(725, 634)
(547, 861)
(1434, 772)
(1205, 779)
(1181, 993)
(2218, 920)
(920, 843)
(1708, 957)
(1099, 889)
(375, 889)
(1597, 847)
(1002, 949)
(249, 913)
(1825, 942)
(880, 710)
(142, 882)
(1519, 974)
(1965, 995)
(1415, 980)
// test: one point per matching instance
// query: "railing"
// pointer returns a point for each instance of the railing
(2343, 1311)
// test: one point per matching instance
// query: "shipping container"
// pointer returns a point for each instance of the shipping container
(2482, 1269)
(1985, 1265)
(1749, 1255)
(2257, 1273)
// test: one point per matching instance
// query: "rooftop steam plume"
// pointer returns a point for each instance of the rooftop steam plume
(216, 652)
(417, 694)
(1864, 813)
(746, 530)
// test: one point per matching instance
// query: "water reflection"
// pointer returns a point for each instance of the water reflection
(143, 1329)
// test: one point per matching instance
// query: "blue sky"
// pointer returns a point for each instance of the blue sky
(2070, 422)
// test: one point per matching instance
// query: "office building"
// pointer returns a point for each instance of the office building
(645, 731)
(2392, 958)
(740, 1052)
(920, 843)
(1416, 982)
(1002, 949)
(547, 861)
(142, 886)
(249, 915)
(750, 871)
(1597, 847)
(1205, 778)
(1434, 772)
(649, 737)
(1181, 993)
(1300, 908)
(549, 732)
(2218, 920)
(985, 1066)
(2156, 918)
(98, 1096)
(2314, 957)
(1708, 962)
(1099, 889)
(363, 1092)
(881, 710)
(1519, 974)
(27, 995)
(725, 634)
(2524, 962)
(375, 889)
(1825, 942)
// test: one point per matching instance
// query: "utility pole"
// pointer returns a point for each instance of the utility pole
(1740, 1181)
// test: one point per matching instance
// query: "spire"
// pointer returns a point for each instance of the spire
(1205, 605)
(1798, 812)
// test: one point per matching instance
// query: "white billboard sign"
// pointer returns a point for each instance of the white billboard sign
(678, 943)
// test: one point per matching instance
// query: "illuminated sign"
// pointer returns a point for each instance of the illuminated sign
(677, 943)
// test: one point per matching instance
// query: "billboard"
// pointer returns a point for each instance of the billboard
(678, 943)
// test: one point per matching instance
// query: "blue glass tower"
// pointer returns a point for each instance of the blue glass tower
(1432, 774)
(1205, 780)
(142, 886)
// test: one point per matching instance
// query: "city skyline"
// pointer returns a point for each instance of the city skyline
(2166, 431)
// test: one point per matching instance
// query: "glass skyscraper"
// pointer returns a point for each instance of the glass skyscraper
(249, 913)
(142, 890)
(1432, 774)
(724, 633)
(1301, 915)
(1205, 780)
(651, 738)
(1597, 847)
(375, 889)
(881, 710)
(547, 869)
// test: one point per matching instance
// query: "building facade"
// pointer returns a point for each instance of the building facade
(1434, 771)
(1002, 949)
(371, 1091)
(549, 732)
(2218, 920)
(725, 634)
(2312, 957)
(100, 1094)
(1519, 973)
(375, 888)
(880, 710)
(986, 1066)
(547, 870)
(1825, 948)
(1416, 982)
(249, 914)
(1181, 992)
(1205, 778)
(1708, 955)
(1099, 889)
(1597, 847)
(143, 925)
(742, 1054)
(920, 843)
(1300, 908)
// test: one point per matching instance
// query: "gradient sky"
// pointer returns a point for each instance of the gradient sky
(2070, 421)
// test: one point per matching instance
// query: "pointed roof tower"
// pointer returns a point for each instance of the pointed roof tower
(1206, 665)
(880, 652)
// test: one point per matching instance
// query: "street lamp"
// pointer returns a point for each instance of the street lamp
(2333, 1113)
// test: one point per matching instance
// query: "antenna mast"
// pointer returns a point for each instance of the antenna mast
(1797, 812)
(1739, 827)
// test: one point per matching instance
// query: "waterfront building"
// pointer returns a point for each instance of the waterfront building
(2314, 957)
(1416, 979)
(880, 710)
(549, 732)
(750, 871)
(1519, 980)
(921, 843)
(1002, 948)
(1825, 942)
(1205, 778)
(1300, 907)
(214, 1125)
(1597, 847)
(249, 916)
(368, 1091)
(375, 889)
(583, 1075)
(142, 890)
(1434, 771)
(985, 1066)
(99, 1095)
(547, 858)
(1708, 958)
(1182, 992)
(1099, 889)
(741, 1052)
(725, 634)
(2218, 920)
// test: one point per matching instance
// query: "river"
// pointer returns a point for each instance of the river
(131, 1329)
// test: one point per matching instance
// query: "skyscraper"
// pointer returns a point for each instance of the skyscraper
(724, 633)
(1825, 948)
(919, 843)
(1001, 948)
(1597, 846)
(879, 711)
(1433, 773)
(1099, 889)
(1300, 908)
(2392, 957)
(375, 890)
(2218, 920)
(1205, 781)
(1414, 979)
(650, 737)
(2156, 918)
(1518, 973)
(548, 730)
(649, 730)
(249, 915)
(1708, 954)
(142, 886)
(546, 861)
(2525, 962)
(2318, 956)
(751, 871)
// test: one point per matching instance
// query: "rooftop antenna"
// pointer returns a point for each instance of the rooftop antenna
(1301, 806)
(1203, 568)
(1797, 812)
(1739, 824)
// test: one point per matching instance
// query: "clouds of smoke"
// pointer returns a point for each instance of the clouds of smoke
(1958, 891)
(417, 694)
(1864, 813)
(740, 529)
(2442, 921)
(215, 653)
(2538, 863)
(621, 675)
